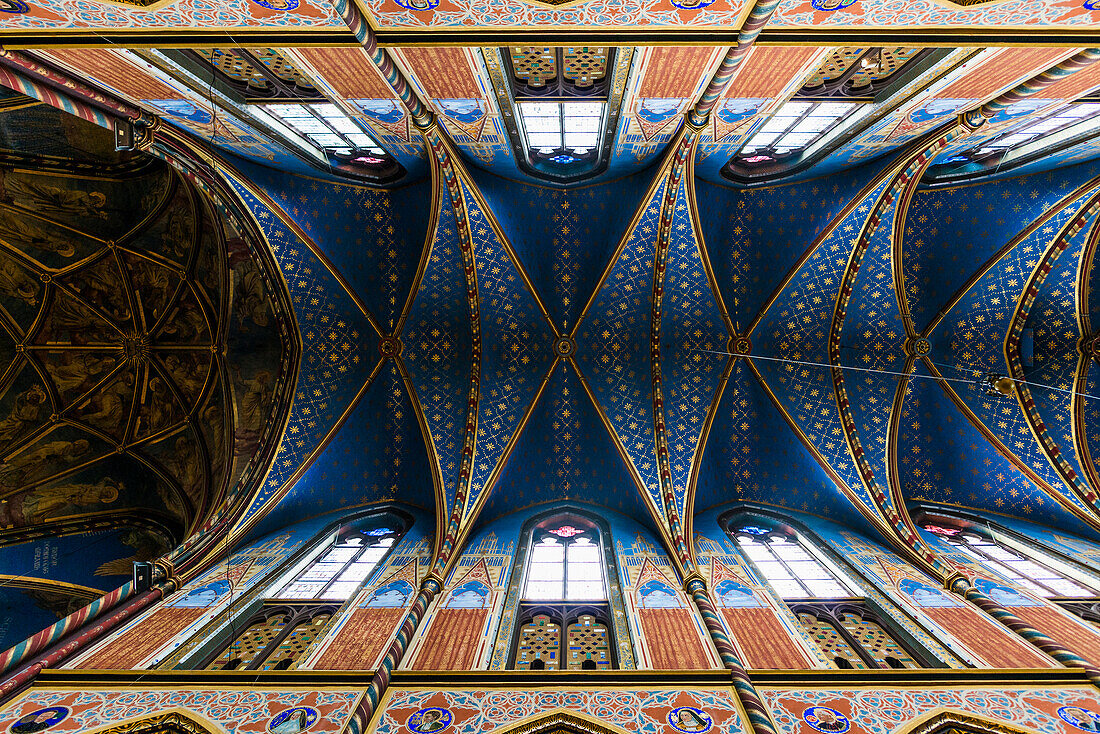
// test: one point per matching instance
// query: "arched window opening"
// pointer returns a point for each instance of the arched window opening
(1031, 568)
(1082, 117)
(329, 128)
(341, 569)
(838, 94)
(295, 611)
(826, 602)
(564, 614)
(561, 106)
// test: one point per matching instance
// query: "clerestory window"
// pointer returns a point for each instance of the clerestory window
(564, 620)
(826, 602)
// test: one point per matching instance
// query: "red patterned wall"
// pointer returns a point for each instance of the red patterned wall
(764, 639)
(143, 639)
(1077, 637)
(995, 644)
(111, 70)
(359, 642)
(452, 641)
(767, 70)
(672, 640)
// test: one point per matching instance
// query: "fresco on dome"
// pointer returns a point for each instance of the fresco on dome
(883, 710)
(644, 711)
(456, 634)
(248, 712)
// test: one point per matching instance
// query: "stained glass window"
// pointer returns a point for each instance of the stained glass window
(1030, 129)
(326, 126)
(562, 128)
(258, 73)
(568, 568)
(342, 568)
(275, 638)
(793, 128)
(851, 637)
(1034, 573)
(564, 619)
(539, 646)
(251, 643)
(789, 567)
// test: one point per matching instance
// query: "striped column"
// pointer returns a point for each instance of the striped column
(966, 590)
(759, 16)
(25, 74)
(354, 20)
(1040, 82)
(87, 635)
(21, 651)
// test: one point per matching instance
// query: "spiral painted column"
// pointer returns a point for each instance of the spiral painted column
(1040, 82)
(759, 16)
(354, 20)
(25, 74)
(966, 590)
(86, 636)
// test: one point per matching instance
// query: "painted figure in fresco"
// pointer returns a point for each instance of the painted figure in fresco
(79, 373)
(56, 202)
(689, 720)
(251, 298)
(825, 719)
(112, 404)
(46, 459)
(46, 503)
(18, 230)
(16, 283)
(147, 545)
(1080, 717)
(39, 720)
(431, 721)
(24, 413)
(291, 722)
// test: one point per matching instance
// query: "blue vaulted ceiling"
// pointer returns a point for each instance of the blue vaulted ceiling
(531, 346)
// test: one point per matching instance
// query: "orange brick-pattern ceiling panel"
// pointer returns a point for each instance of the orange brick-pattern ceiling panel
(111, 70)
(444, 72)
(1002, 70)
(998, 647)
(675, 72)
(350, 72)
(767, 70)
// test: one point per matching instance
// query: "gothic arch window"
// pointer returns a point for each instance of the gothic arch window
(1040, 573)
(826, 602)
(259, 74)
(848, 85)
(564, 619)
(294, 611)
(561, 106)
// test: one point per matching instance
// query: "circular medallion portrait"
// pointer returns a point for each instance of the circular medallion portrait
(1081, 718)
(426, 721)
(826, 720)
(692, 4)
(278, 4)
(690, 720)
(14, 6)
(39, 720)
(1092, 5)
(292, 721)
(830, 5)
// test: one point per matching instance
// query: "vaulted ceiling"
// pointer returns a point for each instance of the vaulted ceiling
(680, 327)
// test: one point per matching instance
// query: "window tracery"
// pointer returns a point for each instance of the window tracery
(1034, 571)
(825, 601)
(564, 615)
(257, 73)
(1083, 117)
(294, 611)
(560, 104)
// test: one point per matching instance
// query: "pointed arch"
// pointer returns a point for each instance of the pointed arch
(174, 721)
(942, 720)
(562, 721)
